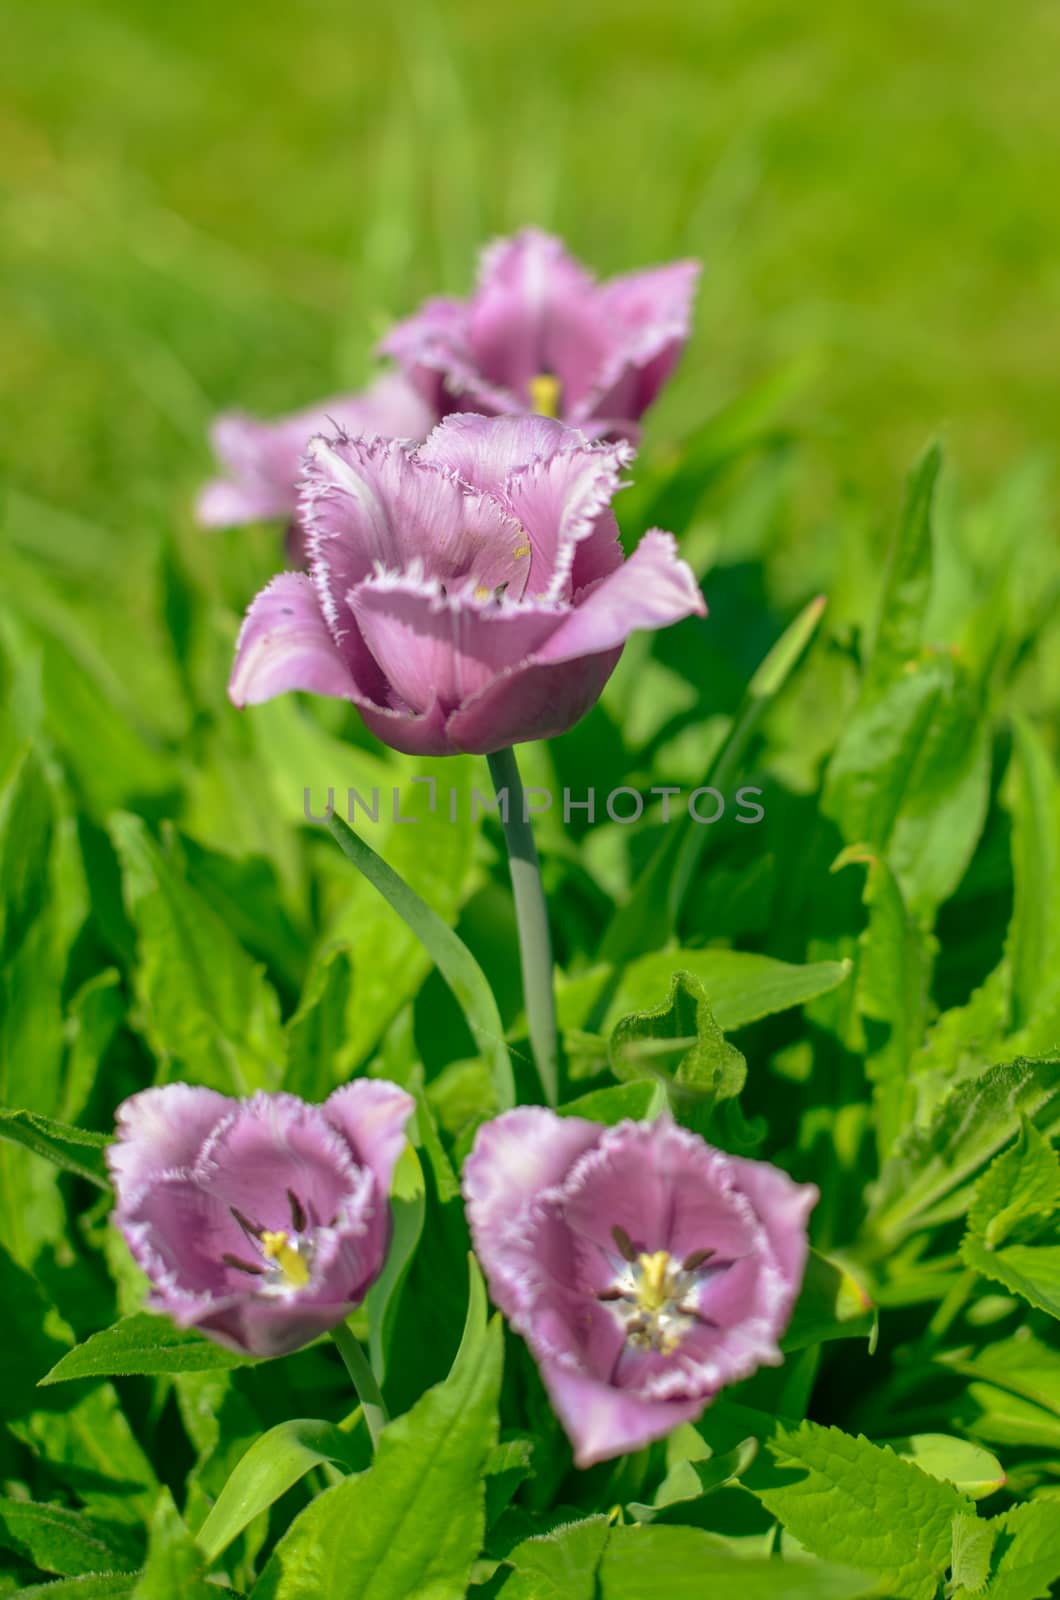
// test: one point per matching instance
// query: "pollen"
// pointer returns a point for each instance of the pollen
(545, 391)
(520, 551)
(654, 1288)
(275, 1247)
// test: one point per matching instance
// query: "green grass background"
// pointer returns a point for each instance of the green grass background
(217, 203)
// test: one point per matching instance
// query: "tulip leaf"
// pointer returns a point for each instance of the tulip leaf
(413, 1523)
(448, 952)
(208, 1012)
(175, 1565)
(407, 1209)
(832, 1304)
(75, 1150)
(273, 1464)
(317, 1031)
(144, 1344)
(69, 1543)
(970, 1468)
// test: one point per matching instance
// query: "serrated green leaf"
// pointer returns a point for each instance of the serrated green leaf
(142, 1344)
(680, 1044)
(910, 778)
(75, 1150)
(973, 1542)
(687, 1564)
(1023, 1364)
(69, 1543)
(1027, 1553)
(641, 1101)
(1018, 1191)
(208, 1011)
(891, 988)
(273, 1464)
(1033, 944)
(561, 1565)
(90, 1448)
(847, 1499)
(411, 1526)
(906, 591)
(924, 1177)
(108, 1587)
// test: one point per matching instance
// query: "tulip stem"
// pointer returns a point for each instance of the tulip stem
(363, 1379)
(531, 915)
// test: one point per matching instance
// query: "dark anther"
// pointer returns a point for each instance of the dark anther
(242, 1266)
(696, 1259)
(298, 1216)
(611, 1294)
(245, 1223)
(624, 1243)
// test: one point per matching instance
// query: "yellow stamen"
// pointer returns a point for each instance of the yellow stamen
(544, 394)
(482, 593)
(653, 1291)
(291, 1264)
(520, 551)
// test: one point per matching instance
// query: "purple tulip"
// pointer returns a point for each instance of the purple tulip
(467, 594)
(540, 334)
(645, 1269)
(262, 460)
(261, 1222)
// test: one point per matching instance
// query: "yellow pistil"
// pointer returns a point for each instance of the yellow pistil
(544, 394)
(291, 1264)
(654, 1288)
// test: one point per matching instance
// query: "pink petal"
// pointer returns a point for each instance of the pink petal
(562, 501)
(534, 312)
(160, 1130)
(272, 1146)
(445, 648)
(426, 735)
(263, 459)
(513, 1159)
(485, 451)
(782, 1206)
(651, 590)
(653, 311)
(534, 702)
(284, 644)
(371, 1114)
(602, 1422)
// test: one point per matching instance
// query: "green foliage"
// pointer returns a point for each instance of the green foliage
(863, 987)
(411, 1526)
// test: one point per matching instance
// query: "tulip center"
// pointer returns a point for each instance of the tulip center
(653, 1295)
(293, 1266)
(545, 390)
(285, 1256)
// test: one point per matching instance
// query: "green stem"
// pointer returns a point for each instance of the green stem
(363, 1379)
(531, 914)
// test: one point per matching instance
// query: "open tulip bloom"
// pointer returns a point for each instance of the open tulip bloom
(645, 1269)
(262, 1222)
(540, 334)
(466, 594)
(262, 460)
